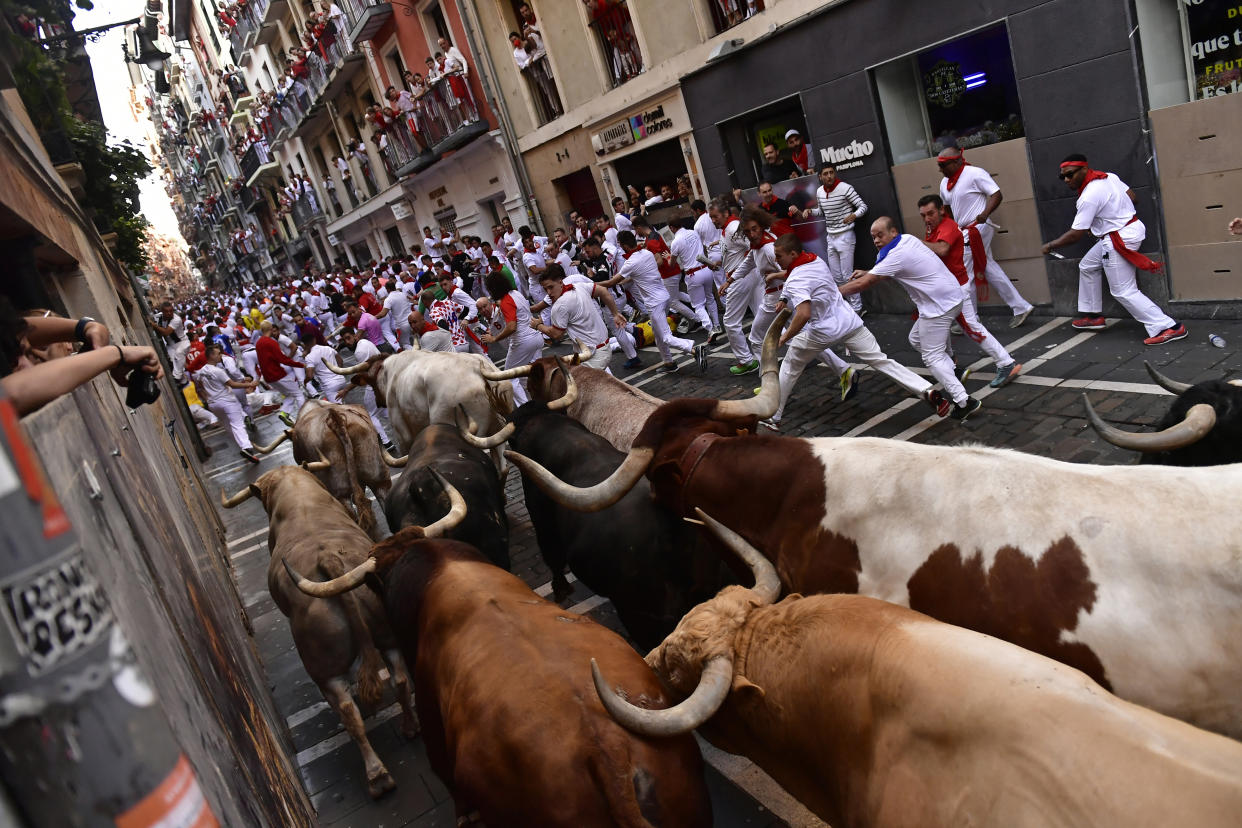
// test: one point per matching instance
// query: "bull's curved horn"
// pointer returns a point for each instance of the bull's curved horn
(317, 465)
(701, 706)
(512, 373)
(767, 586)
(345, 372)
(765, 402)
(1237, 383)
(1199, 420)
(468, 429)
(237, 499)
(1170, 385)
(287, 434)
(571, 389)
(326, 589)
(394, 462)
(584, 353)
(457, 508)
(590, 498)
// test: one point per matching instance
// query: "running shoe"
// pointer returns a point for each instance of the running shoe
(250, 455)
(700, 356)
(715, 335)
(961, 412)
(939, 403)
(743, 368)
(667, 368)
(849, 384)
(683, 327)
(1019, 319)
(1089, 323)
(1167, 335)
(771, 424)
(286, 419)
(1006, 374)
(632, 363)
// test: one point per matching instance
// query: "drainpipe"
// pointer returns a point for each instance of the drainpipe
(497, 103)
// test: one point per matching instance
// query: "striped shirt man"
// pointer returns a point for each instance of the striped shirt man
(837, 202)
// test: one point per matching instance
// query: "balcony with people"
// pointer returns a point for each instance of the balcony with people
(614, 32)
(532, 62)
(430, 116)
(728, 13)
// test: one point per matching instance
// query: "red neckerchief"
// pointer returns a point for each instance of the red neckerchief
(799, 158)
(952, 179)
(768, 238)
(768, 202)
(1092, 175)
(835, 182)
(1134, 257)
(805, 257)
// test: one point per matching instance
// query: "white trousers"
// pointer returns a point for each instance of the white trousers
(702, 299)
(203, 417)
(537, 294)
(294, 398)
(226, 408)
(389, 334)
(677, 300)
(930, 337)
(840, 249)
(763, 322)
(989, 343)
(250, 359)
(176, 355)
(522, 351)
(740, 297)
(624, 340)
(665, 341)
(368, 402)
(805, 349)
(997, 278)
(1102, 261)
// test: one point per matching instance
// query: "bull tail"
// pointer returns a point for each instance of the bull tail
(370, 685)
(362, 506)
(627, 787)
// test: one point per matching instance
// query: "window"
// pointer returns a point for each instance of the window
(728, 13)
(745, 137)
(435, 25)
(396, 68)
(362, 253)
(962, 91)
(1190, 51)
(614, 31)
(446, 219)
(395, 245)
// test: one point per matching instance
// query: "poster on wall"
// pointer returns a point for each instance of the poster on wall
(800, 193)
(1214, 43)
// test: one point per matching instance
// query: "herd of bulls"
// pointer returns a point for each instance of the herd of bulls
(968, 635)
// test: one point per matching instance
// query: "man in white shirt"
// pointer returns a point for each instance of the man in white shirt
(936, 295)
(621, 219)
(642, 274)
(534, 263)
(1106, 209)
(740, 287)
(822, 318)
(318, 358)
(432, 245)
(972, 196)
(687, 249)
(364, 349)
(395, 317)
(215, 389)
(840, 206)
(709, 235)
(172, 327)
(575, 314)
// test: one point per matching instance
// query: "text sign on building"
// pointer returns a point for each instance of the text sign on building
(631, 130)
(1214, 29)
(851, 155)
(401, 210)
(614, 137)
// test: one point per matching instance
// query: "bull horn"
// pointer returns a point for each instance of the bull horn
(571, 389)
(765, 402)
(767, 586)
(237, 499)
(345, 372)
(468, 429)
(457, 508)
(682, 718)
(327, 589)
(584, 353)
(1236, 383)
(317, 465)
(512, 373)
(1199, 420)
(590, 498)
(394, 462)
(268, 449)
(1170, 385)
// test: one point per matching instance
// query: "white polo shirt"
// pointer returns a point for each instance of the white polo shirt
(686, 248)
(319, 357)
(1104, 206)
(577, 313)
(213, 380)
(398, 304)
(832, 318)
(707, 232)
(912, 264)
(970, 194)
(643, 275)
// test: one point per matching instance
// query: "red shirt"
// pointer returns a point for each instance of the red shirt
(668, 269)
(271, 358)
(369, 303)
(948, 231)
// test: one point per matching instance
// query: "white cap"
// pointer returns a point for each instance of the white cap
(792, 132)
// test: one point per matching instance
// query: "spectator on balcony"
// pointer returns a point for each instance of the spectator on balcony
(358, 149)
(531, 59)
(453, 54)
(342, 166)
(453, 68)
(800, 152)
(340, 24)
(308, 193)
(611, 19)
(775, 167)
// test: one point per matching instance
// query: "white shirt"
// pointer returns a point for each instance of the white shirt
(707, 233)
(686, 248)
(622, 222)
(213, 381)
(535, 258)
(916, 267)
(524, 333)
(1104, 206)
(462, 300)
(365, 349)
(832, 318)
(566, 263)
(319, 357)
(398, 305)
(454, 54)
(970, 194)
(735, 250)
(643, 274)
(577, 313)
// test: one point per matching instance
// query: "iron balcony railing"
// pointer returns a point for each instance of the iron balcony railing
(614, 31)
(543, 91)
(255, 156)
(438, 112)
(728, 13)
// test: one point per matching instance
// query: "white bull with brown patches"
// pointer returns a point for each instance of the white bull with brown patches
(874, 715)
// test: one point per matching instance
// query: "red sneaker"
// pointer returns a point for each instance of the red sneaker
(938, 401)
(1167, 335)
(1089, 323)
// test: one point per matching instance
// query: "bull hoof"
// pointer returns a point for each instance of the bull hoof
(561, 589)
(409, 727)
(380, 785)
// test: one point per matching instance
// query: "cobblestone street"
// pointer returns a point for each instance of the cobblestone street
(1041, 413)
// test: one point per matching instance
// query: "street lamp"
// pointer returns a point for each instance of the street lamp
(147, 53)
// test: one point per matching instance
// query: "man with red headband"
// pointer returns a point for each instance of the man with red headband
(972, 196)
(1106, 210)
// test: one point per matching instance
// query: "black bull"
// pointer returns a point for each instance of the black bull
(652, 565)
(417, 499)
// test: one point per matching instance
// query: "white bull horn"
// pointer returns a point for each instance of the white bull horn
(571, 389)
(1170, 385)
(237, 499)
(287, 434)
(703, 703)
(584, 353)
(512, 373)
(468, 428)
(767, 586)
(765, 402)
(1199, 420)
(590, 498)
(394, 462)
(326, 589)
(317, 465)
(345, 372)
(457, 508)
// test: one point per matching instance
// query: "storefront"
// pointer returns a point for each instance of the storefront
(1019, 87)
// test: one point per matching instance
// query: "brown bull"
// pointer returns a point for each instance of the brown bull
(339, 444)
(312, 532)
(503, 689)
(872, 714)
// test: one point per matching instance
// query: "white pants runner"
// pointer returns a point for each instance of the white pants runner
(665, 341)
(368, 402)
(677, 300)
(930, 337)
(522, 351)
(226, 408)
(840, 259)
(740, 297)
(294, 398)
(990, 345)
(699, 287)
(997, 278)
(1102, 261)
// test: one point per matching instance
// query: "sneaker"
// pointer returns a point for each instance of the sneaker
(632, 362)
(849, 384)
(1167, 335)
(1019, 319)
(1006, 374)
(961, 412)
(714, 336)
(683, 327)
(962, 373)
(939, 403)
(1089, 323)
(955, 329)
(667, 368)
(771, 425)
(286, 419)
(700, 356)
(250, 455)
(744, 368)
(248, 422)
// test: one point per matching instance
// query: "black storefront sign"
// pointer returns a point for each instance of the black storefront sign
(1214, 29)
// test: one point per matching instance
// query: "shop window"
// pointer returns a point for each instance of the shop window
(744, 140)
(962, 91)
(1190, 50)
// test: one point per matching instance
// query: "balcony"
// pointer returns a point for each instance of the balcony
(306, 209)
(257, 163)
(542, 88)
(248, 198)
(614, 32)
(445, 117)
(728, 13)
(369, 16)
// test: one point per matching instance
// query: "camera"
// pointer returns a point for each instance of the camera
(142, 388)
